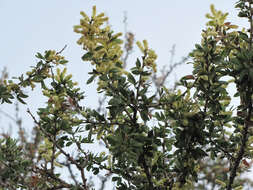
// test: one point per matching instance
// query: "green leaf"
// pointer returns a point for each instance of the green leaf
(136, 72)
(63, 62)
(138, 63)
(20, 100)
(47, 54)
(113, 70)
(242, 14)
(244, 36)
(87, 56)
(131, 78)
(39, 56)
(103, 77)
(112, 140)
(114, 102)
(144, 115)
(90, 80)
(116, 40)
(23, 95)
(95, 171)
(99, 116)
(118, 64)
(99, 48)
(43, 85)
(116, 178)
(69, 143)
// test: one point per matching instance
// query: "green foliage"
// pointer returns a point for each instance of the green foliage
(13, 165)
(152, 140)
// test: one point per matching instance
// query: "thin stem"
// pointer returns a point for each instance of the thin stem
(59, 52)
(138, 87)
(68, 165)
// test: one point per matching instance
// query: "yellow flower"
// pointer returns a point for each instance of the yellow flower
(138, 43)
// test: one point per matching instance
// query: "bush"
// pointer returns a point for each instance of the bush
(192, 137)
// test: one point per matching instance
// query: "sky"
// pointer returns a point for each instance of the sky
(30, 26)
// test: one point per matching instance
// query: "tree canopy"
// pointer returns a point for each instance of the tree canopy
(191, 137)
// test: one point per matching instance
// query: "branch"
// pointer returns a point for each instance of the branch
(241, 151)
(160, 81)
(67, 164)
(70, 158)
(247, 119)
(52, 176)
(129, 40)
(59, 52)
(146, 170)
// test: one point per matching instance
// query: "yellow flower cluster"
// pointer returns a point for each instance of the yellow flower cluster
(217, 24)
(46, 152)
(60, 102)
(103, 47)
(11, 86)
(55, 58)
(149, 54)
(220, 30)
(217, 17)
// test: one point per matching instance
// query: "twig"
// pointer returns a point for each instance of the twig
(129, 38)
(171, 69)
(71, 172)
(59, 52)
(70, 158)
(52, 176)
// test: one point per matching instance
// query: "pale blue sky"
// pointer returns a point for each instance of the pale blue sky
(31, 26)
